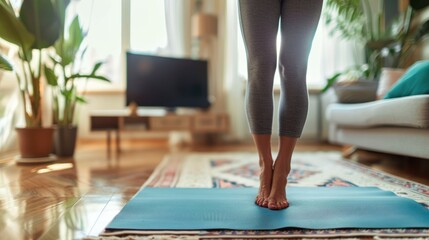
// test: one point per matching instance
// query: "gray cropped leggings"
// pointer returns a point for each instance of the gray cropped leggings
(260, 24)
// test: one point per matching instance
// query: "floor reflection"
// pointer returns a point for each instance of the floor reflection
(70, 198)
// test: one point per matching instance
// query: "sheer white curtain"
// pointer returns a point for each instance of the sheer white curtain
(148, 32)
(101, 19)
(8, 121)
(234, 72)
(177, 20)
(11, 114)
(330, 54)
(160, 27)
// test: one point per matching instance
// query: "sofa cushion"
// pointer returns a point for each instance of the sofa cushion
(415, 81)
(412, 111)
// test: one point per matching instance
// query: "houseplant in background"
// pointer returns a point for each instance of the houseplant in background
(63, 74)
(405, 37)
(384, 46)
(351, 21)
(33, 30)
(395, 56)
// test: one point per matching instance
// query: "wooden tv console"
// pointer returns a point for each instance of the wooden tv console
(156, 120)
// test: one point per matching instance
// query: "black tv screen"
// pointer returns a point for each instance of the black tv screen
(154, 81)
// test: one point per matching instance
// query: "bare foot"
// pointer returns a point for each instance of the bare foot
(265, 179)
(277, 199)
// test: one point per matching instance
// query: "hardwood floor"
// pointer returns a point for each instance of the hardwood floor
(74, 198)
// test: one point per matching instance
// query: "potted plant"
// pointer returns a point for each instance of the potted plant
(384, 47)
(33, 30)
(350, 19)
(63, 75)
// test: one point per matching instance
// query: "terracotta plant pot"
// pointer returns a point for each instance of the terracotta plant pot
(65, 140)
(35, 142)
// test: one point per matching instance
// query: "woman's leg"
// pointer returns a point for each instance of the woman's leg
(277, 198)
(299, 21)
(263, 145)
(259, 24)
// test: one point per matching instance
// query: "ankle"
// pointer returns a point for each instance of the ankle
(266, 170)
(282, 168)
(266, 163)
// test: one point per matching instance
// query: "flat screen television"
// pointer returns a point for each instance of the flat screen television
(155, 81)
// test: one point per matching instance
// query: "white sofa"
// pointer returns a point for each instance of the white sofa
(397, 126)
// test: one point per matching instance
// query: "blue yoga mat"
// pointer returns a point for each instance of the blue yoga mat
(234, 208)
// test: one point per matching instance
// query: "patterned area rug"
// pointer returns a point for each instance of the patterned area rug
(325, 169)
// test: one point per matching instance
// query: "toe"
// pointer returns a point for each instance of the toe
(278, 205)
(285, 204)
(272, 205)
(259, 201)
(265, 203)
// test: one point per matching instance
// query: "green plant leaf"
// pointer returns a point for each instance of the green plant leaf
(81, 99)
(346, 18)
(96, 67)
(66, 93)
(89, 76)
(60, 7)
(12, 29)
(72, 44)
(40, 18)
(83, 52)
(5, 64)
(50, 76)
(100, 78)
(330, 81)
(55, 59)
(76, 32)
(58, 48)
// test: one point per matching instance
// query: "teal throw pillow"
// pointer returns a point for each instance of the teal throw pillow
(415, 81)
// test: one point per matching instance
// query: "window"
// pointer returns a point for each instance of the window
(104, 22)
(101, 19)
(148, 35)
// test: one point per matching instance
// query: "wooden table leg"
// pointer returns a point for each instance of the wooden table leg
(108, 142)
(118, 142)
(348, 151)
